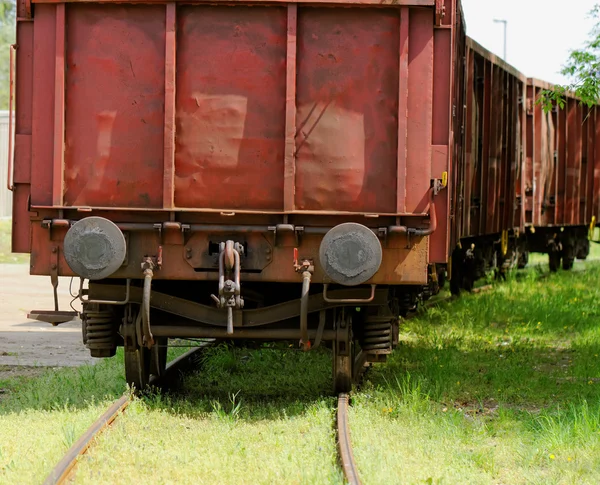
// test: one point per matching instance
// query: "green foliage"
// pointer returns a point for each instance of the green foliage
(7, 37)
(582, 69)
(497, 387)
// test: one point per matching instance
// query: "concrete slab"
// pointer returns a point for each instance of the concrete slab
(25, 342)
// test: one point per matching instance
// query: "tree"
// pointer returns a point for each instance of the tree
(583, 71)
(7, 37)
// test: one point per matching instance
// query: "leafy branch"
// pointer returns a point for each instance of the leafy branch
(582, 69)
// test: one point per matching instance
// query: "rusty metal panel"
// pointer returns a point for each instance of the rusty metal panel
(402, 110)
(466, 177)
(115, 105)
(347, 132)
(170, 83)
(573, 162)
(596, 203)
(44, 35)
(416, 3)
(493, 169)
(561, 167)
(230, 107)
(400, 264)
(561, 147)
(22, 132)
(442, 131)
(420, 92)
(289, 177)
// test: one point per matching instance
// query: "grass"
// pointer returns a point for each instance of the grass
(501, 387)
(498, 387)
(249, 417)
(6, 256)
(41, 416)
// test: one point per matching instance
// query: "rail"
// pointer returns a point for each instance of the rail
(63, 469)
(344, 443)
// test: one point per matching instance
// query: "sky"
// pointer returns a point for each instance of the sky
(540, 33)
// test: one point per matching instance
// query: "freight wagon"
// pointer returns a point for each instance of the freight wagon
(236, 171)
(273, 170)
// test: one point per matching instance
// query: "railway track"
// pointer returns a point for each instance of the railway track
(63, 470)
(344, 442)
(346, 455)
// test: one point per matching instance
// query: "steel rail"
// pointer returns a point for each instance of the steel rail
(344, 443)
(63, 469)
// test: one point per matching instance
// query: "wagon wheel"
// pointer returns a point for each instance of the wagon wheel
(137, 366)
(343, 354)
(141, 362)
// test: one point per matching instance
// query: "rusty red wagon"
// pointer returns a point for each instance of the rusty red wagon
(236, 170)
(281, 170)
(562, 177)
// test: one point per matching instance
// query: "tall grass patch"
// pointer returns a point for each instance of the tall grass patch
(498, 387)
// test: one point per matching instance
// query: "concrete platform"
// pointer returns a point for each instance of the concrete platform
(25, 342)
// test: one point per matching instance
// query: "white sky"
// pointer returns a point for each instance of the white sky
(540, 33)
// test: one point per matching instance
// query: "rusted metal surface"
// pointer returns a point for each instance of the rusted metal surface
(562, 149)
(115, 100)
(11, 82)
(344, 442)
(345, 125)
(231, 107)
(404, 256)
(209, 315)
(22, 128)
(289, 176)
(170, 105)
(58, 175)
(416, 3)
(489, 173)
(133, 122)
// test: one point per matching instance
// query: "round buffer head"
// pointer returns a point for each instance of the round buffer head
(350, 254)
(94, 248)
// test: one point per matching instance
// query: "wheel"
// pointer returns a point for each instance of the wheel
(567, 263)
(455, 285)
(343, 354)
(137, 367)
(523, 260)
(141, 362)
(343, 369)
(554, 261)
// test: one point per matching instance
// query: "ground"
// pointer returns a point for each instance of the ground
(28, 343)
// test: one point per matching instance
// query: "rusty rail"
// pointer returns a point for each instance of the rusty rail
(61, 472)
(344, 442)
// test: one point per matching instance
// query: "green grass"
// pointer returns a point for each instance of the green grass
(42, 416)
(249, 416)
(500, 387)
(6, 256)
